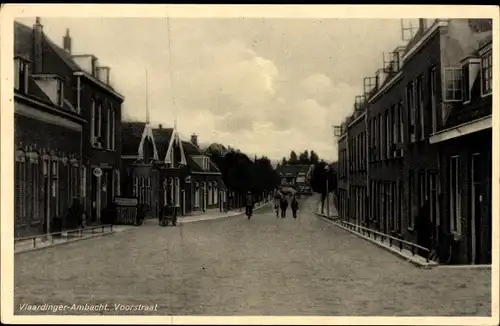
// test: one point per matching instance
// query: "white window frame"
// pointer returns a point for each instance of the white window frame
(177, 192)
(466, 87)
(216, 195)
(60, 92)
(455, 196)
(197, 197)
(21, 167)
(35, 170)
(487, 57)
(454, 88)
(172, 189)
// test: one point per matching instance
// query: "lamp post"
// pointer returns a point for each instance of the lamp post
(327, 169)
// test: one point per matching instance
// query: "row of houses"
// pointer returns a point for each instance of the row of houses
(421, 132)
(71, 143)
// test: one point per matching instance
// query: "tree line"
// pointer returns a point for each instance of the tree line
(240, 174)
(304, 158)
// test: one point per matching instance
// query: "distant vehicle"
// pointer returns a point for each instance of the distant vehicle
(306, 191)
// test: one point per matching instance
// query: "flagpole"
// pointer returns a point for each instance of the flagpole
(147, 101)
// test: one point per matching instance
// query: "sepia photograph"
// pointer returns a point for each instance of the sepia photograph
(233, 165)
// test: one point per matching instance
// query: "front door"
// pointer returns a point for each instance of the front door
(96, 198)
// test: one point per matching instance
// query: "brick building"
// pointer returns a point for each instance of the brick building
(464, 143)
(78, 89)
(160, 168)
(47, 134)
(416, 102)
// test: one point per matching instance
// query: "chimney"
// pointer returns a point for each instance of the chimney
(67, 42)
(37, 47)
(422, 24)
(194, 140)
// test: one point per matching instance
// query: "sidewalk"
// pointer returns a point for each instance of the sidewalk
(333, 213)
(52, 241)
(212, 214)
(402, 253)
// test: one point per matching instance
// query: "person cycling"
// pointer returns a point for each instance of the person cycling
(249, 204)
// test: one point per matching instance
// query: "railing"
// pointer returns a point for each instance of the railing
(67, 234)
(385, 237)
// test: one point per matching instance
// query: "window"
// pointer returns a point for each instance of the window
(60, 93)
(433, 84)
(216, 194)
(453, 84)
(113, 130)
(93, 121)
(21, 73)
(20, 197)
(118, 183)
(84, 181)
(99, 121)
(420, 106)
(165, 195)
(35, 185)
(410, 100)
(148, 192)
(142, 191)
(400, 205)
(411, 185)
(465, 83)
(108, 127)
(381, 137)
(197, 196)
(422, 194)
(55, 183)
(455, 195)
(486, 74)
(395, 124)
(388, 133)
(401, 122)
(177, 192)
(172, 190)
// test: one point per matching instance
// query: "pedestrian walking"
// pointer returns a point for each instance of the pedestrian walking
(249, 204)
(294, 206)
(284, 206)
(276, 201)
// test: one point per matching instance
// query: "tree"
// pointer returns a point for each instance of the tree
(284, 161)
(318, 181)
(293, 158)
(313, 157)
(304, 158)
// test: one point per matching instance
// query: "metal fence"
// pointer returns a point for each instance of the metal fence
(65, 235)
(385, 238)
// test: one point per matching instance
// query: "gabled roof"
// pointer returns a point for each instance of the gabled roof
(292, 170)
(23, 47)
(131, 136)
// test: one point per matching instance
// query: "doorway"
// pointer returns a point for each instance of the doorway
(480, 222)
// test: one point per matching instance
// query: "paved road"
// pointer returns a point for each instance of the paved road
(265, 266)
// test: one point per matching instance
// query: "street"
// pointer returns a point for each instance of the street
(235, 266)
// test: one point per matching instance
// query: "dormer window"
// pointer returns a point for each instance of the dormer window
(53, 86)
(453, 84)
(470, 70)
(60, 93)
(486, 74)
(21, 73)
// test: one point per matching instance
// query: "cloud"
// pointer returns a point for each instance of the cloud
(265, 86)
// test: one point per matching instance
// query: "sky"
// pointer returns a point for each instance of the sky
(262, 85)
